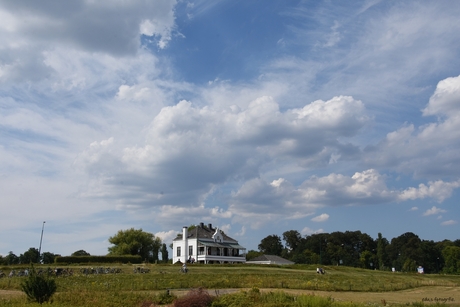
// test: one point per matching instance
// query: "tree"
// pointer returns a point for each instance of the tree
(381, 255)
(292, 239)
(366, 259)
(451, 255)
(11, 258)
(30, 256)
(135, 242)
(271, 245)
(81, 253)
(164, 253)
(48, 257)
(252, 254)
(155, 249)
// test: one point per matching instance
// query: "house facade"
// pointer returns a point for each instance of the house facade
(205, 244)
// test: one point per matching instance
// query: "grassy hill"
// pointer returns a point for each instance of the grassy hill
(127, 287)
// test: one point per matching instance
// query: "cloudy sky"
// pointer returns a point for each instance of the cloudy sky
(256, 116)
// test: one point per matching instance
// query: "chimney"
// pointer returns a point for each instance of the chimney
(201, 225)
(184, 255)
(210, 226)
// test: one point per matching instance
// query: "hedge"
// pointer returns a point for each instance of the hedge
(98, 259)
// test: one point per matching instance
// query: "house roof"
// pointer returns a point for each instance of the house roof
(205, 232)
(271, 259)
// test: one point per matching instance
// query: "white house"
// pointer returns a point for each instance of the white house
(205, 244)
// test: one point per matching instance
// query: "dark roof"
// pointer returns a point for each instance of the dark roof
(272, 259)
(204, 232)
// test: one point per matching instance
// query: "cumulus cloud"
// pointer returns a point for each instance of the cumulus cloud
(446, 98)
(438, 190)
(217, 145)
(434, 210)
(38, 34)
(430, 150)
(321, 218)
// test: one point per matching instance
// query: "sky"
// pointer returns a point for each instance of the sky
(257, 117)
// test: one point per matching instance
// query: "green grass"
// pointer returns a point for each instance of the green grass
(130, 289)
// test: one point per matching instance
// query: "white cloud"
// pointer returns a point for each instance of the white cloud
(308, 231)
(413, 209)
(217, 145)
(321, 218)
(446, 99)
(439, 190)
(449, 222)
(434, 210)
(167, 236)
(431, 150)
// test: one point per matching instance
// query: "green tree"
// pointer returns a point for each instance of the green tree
(430, 256)
(292, 239)
(11, 258)
(81, 253)
(164, 253)
(30, 256)
(271, 245)
(48, 257)
(252, 254)
(451, 255)
(406, 246)
(366, 259)
(381, 254)
(155, 249)
(135, 242)
(409, 265)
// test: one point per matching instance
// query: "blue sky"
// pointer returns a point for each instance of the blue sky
(256, 116)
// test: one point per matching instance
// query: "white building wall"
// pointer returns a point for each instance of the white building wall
(184, 245)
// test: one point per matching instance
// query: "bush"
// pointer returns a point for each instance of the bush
(195, 298)
(38, 288)
(98, 259)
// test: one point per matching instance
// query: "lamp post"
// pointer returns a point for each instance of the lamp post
(41, 238)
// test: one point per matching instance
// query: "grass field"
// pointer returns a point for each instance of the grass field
(342, 284)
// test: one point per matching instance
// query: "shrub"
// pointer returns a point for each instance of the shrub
(195, 298)
(165, 298)
(38, 288)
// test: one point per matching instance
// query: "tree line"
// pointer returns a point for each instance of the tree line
(354, 248)
(125, 242)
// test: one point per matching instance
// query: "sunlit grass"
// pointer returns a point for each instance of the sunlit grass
(131, 289)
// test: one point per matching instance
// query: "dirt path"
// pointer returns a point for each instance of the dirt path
(448, 295)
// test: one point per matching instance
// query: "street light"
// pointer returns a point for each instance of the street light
(41, 238)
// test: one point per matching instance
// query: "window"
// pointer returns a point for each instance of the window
(178, 251)
(190, 250)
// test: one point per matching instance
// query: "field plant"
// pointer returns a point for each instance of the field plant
(195, 298)
(38, 288)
